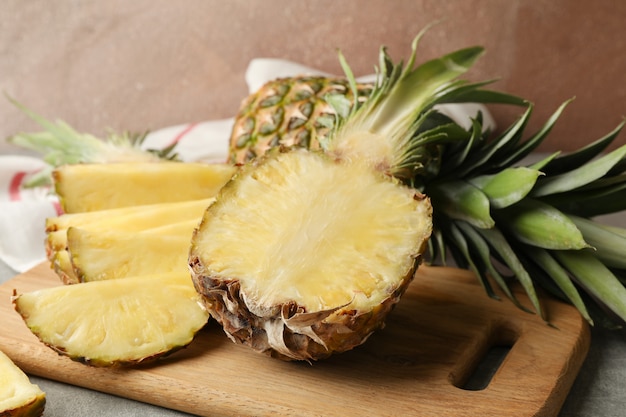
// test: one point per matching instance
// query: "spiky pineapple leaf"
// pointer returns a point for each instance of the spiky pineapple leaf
(508, 186)
(557, 274)
(609, 246)
(482, 161)
(455, 156)
(580, 176)
(486, 96)
(536, 223)
(591, 203)
(501, 246)
(461, 200)
(480, 248)
(525, 148)
(61, 144)
(404, 92)
(596, 278)
(583, 155)
(474, 264)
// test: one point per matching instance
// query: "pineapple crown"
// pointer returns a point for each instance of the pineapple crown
(401, 112)
(61, 144)
(498, 215)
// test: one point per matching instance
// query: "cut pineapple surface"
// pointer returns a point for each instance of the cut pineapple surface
(116, 254)
(136, 183)
(130, 219)
(139, 217)
(18, 396)
(302, 257)
(115, 322)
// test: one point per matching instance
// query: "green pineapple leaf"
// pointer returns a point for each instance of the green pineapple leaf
(536, 223)
(583, 155)
(580, 176)
(480, 248)
(508, 186)
(526, 147)
(60, 144)
(609, 246)
(547, 265)
(596, 278)
(482, 161)
(591, 203)
(460, 200)
(505, 252)
(475, 265)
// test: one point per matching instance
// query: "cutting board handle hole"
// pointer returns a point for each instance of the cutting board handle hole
(486, 369)
(488, 355)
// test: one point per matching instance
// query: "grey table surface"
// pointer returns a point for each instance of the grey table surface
(599, 389)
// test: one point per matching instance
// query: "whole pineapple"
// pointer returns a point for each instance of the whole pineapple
(489, 208)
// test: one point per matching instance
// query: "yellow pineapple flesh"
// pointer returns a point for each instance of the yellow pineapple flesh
(91, 187)
(318, 273)
(116, 254)
(18, 396)
(129, 219)
(127, 321)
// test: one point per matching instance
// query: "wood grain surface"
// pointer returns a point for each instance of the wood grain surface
(433, 340)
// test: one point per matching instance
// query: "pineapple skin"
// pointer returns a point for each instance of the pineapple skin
(287, 331)
(345, 332)
(286, 112)
(34, 408)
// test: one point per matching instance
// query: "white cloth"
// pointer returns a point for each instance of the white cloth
(23, 211)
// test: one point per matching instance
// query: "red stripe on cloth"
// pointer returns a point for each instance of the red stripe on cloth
(182, 134)
(57, 207)
(15, 185)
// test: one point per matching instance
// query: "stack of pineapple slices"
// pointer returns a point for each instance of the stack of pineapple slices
(128, 263)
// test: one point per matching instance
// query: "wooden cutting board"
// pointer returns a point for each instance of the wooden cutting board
(433, 340)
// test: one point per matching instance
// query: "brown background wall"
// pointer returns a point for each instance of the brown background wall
(147, 64)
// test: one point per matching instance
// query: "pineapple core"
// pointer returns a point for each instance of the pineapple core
(303, 228)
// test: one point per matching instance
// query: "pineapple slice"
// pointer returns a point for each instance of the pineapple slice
(301, 257)
(136, 183)
(114, 254)
(139, 217)
(18, 396)
(121, 321)
(61, 263)
(129, 219)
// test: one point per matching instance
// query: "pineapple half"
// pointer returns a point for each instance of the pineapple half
(18, 396)
(304, 253)
(301, 256)
(128, 321)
